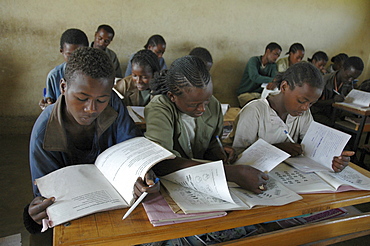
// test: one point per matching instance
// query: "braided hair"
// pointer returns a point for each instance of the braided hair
(294, 48)
(146, 59)
(300, 73)
(185, 72)
(154, 41)
(202, 53)
(319, 56)
(73, 36)
(89, 61)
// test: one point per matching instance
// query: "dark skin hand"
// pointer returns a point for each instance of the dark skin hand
(340, 162)
(338, 98)
(45, 102)
(293, 149)
(271, 86)
(37, 208)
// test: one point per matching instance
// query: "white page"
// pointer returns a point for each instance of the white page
(262, 156)
(208, 178)
(357, 97)
(192, 201)
(320, 144)
(139, 110)
(275, 195)
(132, 114)
(224, 108)
(79, 190)
(348, 176)
(298, 181)
(123, 163)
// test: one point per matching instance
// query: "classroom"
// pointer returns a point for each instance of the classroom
(233, 31)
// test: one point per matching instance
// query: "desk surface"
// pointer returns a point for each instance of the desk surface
(107, 228)
(352, 109)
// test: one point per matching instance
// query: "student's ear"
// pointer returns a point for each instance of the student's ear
(171, 96)
(63, 86)
(150, 47)
(284, 86)
(61, 51)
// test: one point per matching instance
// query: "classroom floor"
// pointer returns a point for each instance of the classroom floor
(17, 191)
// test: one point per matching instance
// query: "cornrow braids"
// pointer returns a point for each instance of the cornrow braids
(295, 47)
(73, 36)
(319, 56)
(185, 72)
(146, 59)
(300, 73)
(154, 41)
(341, 57)
(89, 61)
(202, 53)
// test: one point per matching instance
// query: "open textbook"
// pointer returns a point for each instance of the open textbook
(262, 156)
(136, 113)
(321, 181)
(109, 184)
(357, 99)
(203, 188)
(320, 144)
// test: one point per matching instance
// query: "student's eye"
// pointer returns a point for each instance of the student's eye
(101, 101)
(301, 102)
(82, 99)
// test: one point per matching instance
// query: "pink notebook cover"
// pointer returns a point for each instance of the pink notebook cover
(159, 213)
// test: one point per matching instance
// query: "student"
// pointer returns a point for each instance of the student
(259, 70)
(185, 118)
(337, 62)
(135, 88)
(103, 37)
(337, 86)
(319, 60)
(300, 87)
(296, 54)
(203, 54)
(87, 119)
(157, 44)
(70, 40)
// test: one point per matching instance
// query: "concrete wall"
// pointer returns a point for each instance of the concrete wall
(233, 31)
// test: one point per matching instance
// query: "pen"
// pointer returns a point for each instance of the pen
(336, 92)
(222, 147)
(142, 196)
(288, 136)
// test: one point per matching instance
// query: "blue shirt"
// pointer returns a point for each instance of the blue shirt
(49, 149)
(53, 81)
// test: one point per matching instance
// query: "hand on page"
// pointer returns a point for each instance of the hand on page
(247, 177)
(37, 208)
(149, 186)
(293, 149)
(231, 154)
(340, 162)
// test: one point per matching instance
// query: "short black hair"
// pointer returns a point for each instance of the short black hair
(355, 62)
(301, 73)
(319, 56)
(146, 58)
(295, 47)
(107, 28)
(340, 57)
(273, 46)
(365, 85)
(73, 36)
(185, 72)
(154, 41)
(89, 61)
(202, 53)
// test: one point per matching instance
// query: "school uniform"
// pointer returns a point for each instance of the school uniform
(53, 81)
(282, 64)
(132, 96)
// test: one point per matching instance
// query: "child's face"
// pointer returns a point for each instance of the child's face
(319, 64)
(158, 49)
(141, 75)
(86, 97)
(273, 55)
(193, 100)
(68, 49)
(300, 99)
(296, 57)
(102, 39)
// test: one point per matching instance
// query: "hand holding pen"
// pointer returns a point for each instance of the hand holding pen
(291, 147)
(228, 152)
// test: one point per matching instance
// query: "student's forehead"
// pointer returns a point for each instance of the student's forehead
(83, 81)
(102, 32)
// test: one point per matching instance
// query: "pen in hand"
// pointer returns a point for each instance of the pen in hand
(222, 149)
(336, 92)
(142, 196)
(288, 136)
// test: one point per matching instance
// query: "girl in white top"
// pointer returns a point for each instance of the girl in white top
(300, 87)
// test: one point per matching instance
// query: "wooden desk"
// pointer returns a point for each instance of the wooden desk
(357, 131)
(107, 228)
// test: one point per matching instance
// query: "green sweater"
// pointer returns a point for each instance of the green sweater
(254, 75)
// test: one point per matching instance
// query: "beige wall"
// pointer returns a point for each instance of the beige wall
(232, 30)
